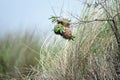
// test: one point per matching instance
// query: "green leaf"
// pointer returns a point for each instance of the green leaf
(59, 29)
(54, 19)
(72, 38)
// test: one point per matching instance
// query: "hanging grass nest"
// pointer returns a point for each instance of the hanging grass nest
(63, 28)
(64, 22)
(65, 32)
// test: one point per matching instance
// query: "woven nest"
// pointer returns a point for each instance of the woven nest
(67, 33)
(64, 22)
(63, 28)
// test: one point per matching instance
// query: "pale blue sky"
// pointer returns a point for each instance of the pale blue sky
(33, 14)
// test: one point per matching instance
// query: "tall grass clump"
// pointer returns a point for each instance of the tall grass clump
(94, 55)
(18, 54)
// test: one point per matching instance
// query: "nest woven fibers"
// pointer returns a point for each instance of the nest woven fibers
(63, 28)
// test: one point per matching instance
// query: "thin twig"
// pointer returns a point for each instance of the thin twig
(116, 32)
(104, 8)
(52, 8)
(116, 15)
(113, 25)
(62, 8)
(88, 21)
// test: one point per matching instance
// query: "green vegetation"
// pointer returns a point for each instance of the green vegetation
(93, 55)
(54, 19)
(17, 53)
